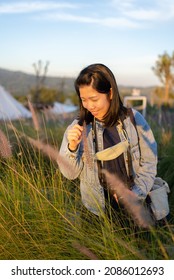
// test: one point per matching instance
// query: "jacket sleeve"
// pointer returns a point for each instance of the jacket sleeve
(71, 164)
(147, 167)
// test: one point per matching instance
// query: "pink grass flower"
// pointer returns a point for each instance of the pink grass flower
(133, 205)
(5, 147)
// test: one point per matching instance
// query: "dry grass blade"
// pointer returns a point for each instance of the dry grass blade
(5, 147)
(129, 200)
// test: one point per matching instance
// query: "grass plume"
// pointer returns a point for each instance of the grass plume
(5, 147)
(51, 152)
(132, 204)
(87, 154)
(85, 251)
(34, 116)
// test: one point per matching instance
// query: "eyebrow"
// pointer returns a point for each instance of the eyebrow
(91, 97)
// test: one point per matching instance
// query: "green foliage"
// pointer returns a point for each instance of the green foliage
(74, 99)
(22, 99)
(165, 168)
(164, 67)
(44, 95)
(164, 70)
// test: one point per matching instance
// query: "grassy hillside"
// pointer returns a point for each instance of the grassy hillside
(19, 83)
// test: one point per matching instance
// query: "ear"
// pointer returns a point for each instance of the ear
(110, 94)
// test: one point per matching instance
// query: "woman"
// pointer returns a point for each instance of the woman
(103, 123)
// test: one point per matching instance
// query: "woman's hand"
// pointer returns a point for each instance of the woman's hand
(74, 136)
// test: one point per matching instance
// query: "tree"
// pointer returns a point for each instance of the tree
(40, 80)
(164, 69)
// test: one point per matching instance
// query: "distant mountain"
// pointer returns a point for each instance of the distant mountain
(19, 83)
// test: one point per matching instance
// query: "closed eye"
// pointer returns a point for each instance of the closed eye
(94, 100)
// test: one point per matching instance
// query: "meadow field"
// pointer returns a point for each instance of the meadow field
(40, 210)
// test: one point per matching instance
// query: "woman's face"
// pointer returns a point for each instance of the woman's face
(95, 102)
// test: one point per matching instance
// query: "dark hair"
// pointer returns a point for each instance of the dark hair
(102, 80)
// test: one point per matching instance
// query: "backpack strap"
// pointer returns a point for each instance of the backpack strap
(132, 118)
(129, 157)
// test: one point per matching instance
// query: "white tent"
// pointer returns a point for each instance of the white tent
(60, 108)
(10, 108)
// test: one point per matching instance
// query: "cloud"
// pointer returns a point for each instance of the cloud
(118, 22)
(67, 17)
(29, 7)
(129, 14)
(108, 21)
(82, 13)
(143, 14)
(149, 10)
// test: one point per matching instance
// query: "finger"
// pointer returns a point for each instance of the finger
(74, 139)
(79, 127)
(74, 135)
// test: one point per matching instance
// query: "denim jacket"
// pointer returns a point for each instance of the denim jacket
(143, 149)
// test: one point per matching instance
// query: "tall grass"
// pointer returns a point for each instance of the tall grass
(41, 215)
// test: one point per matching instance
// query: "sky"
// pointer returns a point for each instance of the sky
(126, 35)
